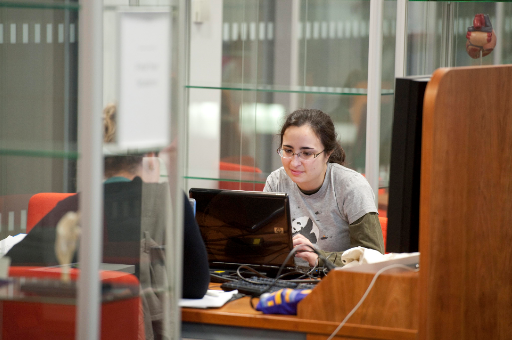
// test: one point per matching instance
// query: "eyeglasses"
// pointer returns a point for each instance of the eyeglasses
(304, 155)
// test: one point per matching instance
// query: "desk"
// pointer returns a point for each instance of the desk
(237, 320)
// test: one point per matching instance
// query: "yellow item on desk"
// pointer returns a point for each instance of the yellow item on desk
(284, 301)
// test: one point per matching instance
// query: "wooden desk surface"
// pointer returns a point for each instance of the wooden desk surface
(239, 313)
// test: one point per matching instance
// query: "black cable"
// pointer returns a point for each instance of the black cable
(250, 269)
(327, 263)
(275, 279)
(223, 277)
(296, 272)
(270, 285)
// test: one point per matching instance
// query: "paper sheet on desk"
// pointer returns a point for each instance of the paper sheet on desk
(359, 255)
(209, 301)
(7, 243)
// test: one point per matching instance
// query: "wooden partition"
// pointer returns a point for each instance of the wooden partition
(392, 303)
(466, 205)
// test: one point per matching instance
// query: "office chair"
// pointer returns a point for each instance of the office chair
(226, 166)
(41, 204)
(46, 320)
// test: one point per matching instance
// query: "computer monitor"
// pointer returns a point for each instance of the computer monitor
(122, 224)
(244, 227)
(405, 165)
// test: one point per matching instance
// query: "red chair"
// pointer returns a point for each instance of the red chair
(41, 204)
(384, 225)
(247, 186)
(48, 321)
(54, 273)
(37, 320)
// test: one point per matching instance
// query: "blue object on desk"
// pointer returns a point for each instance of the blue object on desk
(283, 301)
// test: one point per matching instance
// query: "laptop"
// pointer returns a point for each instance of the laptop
(244, 228)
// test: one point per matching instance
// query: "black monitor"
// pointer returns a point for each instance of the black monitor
(405, 166)
(122, 223)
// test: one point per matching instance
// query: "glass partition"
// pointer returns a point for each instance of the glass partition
(42, 161)
(253, 62)
(140, 48)
(38, 113)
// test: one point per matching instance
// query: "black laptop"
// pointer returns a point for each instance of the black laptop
(244, 227)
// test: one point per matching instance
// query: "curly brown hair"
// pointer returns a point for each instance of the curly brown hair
(109, 123)
(116, 163)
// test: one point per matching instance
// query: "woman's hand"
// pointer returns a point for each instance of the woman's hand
(305, 252)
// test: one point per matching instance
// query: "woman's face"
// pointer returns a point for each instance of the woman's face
(308, 174)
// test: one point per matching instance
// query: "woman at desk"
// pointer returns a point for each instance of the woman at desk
(131, 203)
(332, 207)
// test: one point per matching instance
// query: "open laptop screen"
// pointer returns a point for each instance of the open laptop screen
(244, 227)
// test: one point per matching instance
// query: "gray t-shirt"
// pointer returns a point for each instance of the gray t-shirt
(324, 217)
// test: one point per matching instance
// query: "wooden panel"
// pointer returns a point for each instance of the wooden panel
(466, 205)
(322, 337)
(392, 302)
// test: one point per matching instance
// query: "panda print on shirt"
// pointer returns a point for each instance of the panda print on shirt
(305, 226)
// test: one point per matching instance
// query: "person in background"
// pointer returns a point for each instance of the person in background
(149, 209)
(332, 207)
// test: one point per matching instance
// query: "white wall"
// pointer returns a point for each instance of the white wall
(204, 105)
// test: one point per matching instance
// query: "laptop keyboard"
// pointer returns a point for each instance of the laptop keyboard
(260, 285)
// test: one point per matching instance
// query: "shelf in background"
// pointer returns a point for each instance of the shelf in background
(39, 149)
(291, 89)
(261, 180)
(40, 153)
(73, 6)
(454, 0)
(224, 179)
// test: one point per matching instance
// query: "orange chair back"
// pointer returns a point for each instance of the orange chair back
(384, 225)
(225, 166)
(55, 272)
(41, 204)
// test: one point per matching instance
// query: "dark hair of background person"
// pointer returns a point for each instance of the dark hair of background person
(322, 125)
(115, 164)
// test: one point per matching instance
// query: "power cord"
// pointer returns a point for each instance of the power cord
(222, 278)
(366, 294)
(327, 263)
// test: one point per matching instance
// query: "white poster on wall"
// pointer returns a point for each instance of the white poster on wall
(143, 118)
